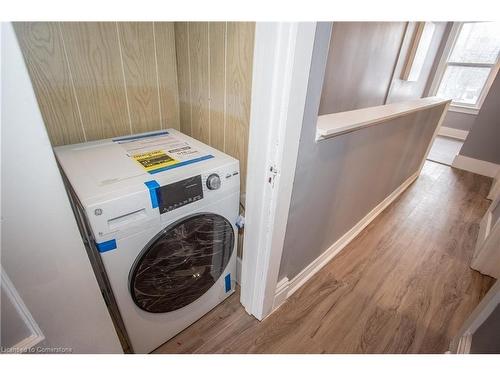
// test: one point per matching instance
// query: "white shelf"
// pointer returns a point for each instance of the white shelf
(344, 122)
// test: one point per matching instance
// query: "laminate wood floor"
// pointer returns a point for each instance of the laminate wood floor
(444, 150)
(403, 285)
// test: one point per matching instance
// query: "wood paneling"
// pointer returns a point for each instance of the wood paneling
(199, 65)
(217, 45)
(97, 80)
(403, 285)
(240, 36)
(95, 62)
(183, 75)
(139, 67)
(167, 74)
(214, 63)
(43, 50)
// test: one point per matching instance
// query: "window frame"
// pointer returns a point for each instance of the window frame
(443, 64)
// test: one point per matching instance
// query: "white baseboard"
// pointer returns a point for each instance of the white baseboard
(281, 293)
(286, 288)
(453, 133)
(481, 167)
(495, 190)
(238, 270)
(464, 344)
(495, 187)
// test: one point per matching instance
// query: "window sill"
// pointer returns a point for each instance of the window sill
(462, 109)
(335, 124)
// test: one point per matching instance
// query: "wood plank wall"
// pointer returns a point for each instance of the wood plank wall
(214, 65)
(97, 80)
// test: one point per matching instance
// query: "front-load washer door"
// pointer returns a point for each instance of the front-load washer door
(181, 263)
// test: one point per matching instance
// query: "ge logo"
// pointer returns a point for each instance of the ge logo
(98, 211)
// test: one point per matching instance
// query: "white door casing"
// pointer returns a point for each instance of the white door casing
(19, 331)
(282, 60)
(461, 344)
(486, 258)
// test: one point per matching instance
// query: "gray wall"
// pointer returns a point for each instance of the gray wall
(486, 340)
(339, 180)
(459, 120)
(365, 61)
(361, 60)
(483, 141)
(406, 90)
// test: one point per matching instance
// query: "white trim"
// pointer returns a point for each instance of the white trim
(399, 60)
(335, 124)
(419, 48)
(450, 42)
(453, 133)
(434, 135)
(495, 187)
(461, 109)
(22, 310)
(488, 83)
(461, 343)
(281, 66)
(486, 258)
(282, 292)
(443, 63)
(464, 344)
(477, 166)
(286, 288)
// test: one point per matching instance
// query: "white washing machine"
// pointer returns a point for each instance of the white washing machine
(158, 213)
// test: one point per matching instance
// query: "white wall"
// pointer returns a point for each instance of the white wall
(42, 252)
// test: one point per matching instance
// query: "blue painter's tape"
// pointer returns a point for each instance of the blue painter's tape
(182, 163)
(106, 246)
(152, 186)
(134, 137)
(227, 282)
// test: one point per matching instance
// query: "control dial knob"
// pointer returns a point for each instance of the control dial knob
(213, 181)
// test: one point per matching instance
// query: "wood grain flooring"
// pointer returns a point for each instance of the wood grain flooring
(403, 285)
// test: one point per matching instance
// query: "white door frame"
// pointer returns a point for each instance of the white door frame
(281, 65)
(461, 344)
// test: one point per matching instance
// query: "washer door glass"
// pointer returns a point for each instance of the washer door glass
(181, 263)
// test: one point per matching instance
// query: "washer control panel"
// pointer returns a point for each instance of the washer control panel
(190, 190)
(179, 193)
(213, 181)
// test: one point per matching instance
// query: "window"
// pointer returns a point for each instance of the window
(469, 64)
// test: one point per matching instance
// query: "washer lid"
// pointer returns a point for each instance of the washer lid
(102, 170)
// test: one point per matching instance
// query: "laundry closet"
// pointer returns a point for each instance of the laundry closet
(120, 102)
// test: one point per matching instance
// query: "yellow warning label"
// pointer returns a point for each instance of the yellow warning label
(154, 160)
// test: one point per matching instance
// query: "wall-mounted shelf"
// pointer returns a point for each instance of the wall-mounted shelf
(335, 124)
